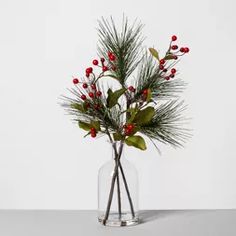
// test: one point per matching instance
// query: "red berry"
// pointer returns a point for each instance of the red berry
(75, 81)
(85, 85)
(87, 74)
(161, 67)
(167, 77)
(98, 93)
(165, 70)
(130, 126)
(174, 38)
(91, 94)
(112, 57)
(162, 61)
(145, 91)
(131, 89)
(95, 62)
(174, 47)
(83, 97)
(96, 106)
(93, 135)
(93, 86)
(93, 130)
(186, 50)
(104, 68)
(89, 70)
(102, 60)
(173, 71)
(182, 49)
(127, 131)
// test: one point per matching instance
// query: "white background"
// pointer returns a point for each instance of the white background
(45, 162)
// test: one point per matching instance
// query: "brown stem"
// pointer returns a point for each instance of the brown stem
(118, 183)
(127, 190)
(113, 184)
(118, 194)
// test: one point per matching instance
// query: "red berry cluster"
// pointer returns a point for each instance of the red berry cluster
(171, 75)
(111, 56)
(88, 71)
(128, 129)
(93, 132)
(91, 91)
(172, 54)
(105, 67)
(175, 47)
(110, 65)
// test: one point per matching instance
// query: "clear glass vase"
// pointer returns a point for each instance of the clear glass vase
(118, 190)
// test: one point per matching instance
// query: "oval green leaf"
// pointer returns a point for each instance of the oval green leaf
(144, 116)
(113, 97)
(85, 126)
(136, 141)
(154, 53)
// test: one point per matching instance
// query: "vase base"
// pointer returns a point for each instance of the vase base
(116, 220)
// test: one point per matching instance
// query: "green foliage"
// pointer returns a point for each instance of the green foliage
(79, 107)
(155, 53)
(96, 124)
(167, 125)
(117, 136)
(169, 56)
(144, 116)
(113, 97)
(85, 126)
(157, 114)
(136, 141)
(126, 45)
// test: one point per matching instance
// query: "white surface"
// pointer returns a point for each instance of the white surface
(165, 223)
(45, 162)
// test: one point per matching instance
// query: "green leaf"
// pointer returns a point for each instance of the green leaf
(154, 52)
(169, 57)
(132, 112)
(78, 106)
(117, 136)
(85, 126)
(136, 141)
(95, 124)
(144, 116)
(113, 97)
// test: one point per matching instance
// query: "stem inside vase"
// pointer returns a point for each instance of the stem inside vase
(116, 180)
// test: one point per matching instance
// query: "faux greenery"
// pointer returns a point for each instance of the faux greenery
(150, 107)
(132, 109)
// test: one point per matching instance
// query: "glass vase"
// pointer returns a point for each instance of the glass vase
(118, 190)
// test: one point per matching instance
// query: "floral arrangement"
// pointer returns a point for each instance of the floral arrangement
(147, 106)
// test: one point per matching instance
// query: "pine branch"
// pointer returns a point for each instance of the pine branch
(167, 124)
(150, 77)
(126, 45)
(109, 119)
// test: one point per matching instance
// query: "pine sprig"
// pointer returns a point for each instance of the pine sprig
(109, 118)
(126, 45)
(167, 124)
(151, 77)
